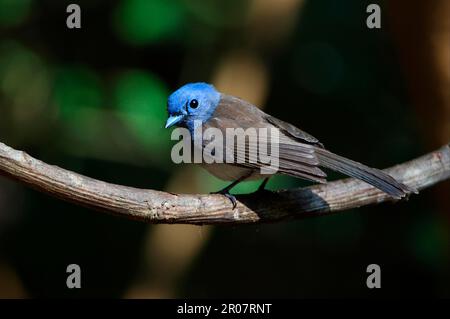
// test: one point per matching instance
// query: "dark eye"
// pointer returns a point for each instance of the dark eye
(193, 104)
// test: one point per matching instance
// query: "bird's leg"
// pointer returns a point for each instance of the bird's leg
(262, 187)
(226, 191)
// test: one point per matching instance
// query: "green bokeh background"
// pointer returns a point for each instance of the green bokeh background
(93, 101)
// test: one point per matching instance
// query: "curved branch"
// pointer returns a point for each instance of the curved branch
(160, 207)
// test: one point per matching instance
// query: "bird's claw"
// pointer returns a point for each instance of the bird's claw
(225, 193)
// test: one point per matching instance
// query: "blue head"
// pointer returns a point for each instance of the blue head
(192, 102)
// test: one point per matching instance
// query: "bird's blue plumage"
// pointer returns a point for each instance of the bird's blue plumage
(181, 111)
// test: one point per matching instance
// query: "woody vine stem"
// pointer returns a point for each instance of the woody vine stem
(154, 206)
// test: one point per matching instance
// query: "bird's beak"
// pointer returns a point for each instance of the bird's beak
(172, 120)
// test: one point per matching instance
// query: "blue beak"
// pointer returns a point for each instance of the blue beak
(172, 120)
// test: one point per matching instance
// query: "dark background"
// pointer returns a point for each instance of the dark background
(93, 100)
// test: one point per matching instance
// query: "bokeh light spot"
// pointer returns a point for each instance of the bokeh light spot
(230, 13)
(141, 97)
(24, 81)
(140, 22)
(77, 88)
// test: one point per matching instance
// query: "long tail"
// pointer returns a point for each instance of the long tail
(373, 176)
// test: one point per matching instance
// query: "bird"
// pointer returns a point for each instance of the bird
(300, 154)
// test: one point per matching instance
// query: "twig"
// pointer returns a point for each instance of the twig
(160, 207)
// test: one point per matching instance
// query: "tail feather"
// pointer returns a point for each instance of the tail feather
(372, 176)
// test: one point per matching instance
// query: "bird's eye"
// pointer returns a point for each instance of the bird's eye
(193, 104)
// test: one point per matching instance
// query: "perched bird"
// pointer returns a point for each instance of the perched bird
(300, 154)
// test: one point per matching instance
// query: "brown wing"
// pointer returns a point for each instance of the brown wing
(293, 131)
(295, 158)
(300, 154)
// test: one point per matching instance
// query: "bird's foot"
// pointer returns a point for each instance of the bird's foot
(225, 192)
